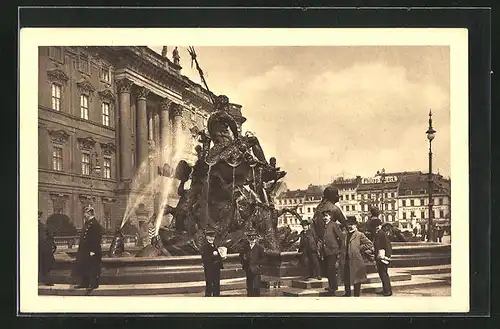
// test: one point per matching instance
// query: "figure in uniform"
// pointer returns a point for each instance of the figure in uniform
(46, 249)
(212, 264)
(309, 249)
(383, 252)
(89, 254)
(252, 259)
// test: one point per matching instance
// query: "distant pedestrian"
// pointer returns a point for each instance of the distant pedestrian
(152, 228)
(212, 265)
(383, 253)
(353, 268)
(440, 233)
(46, 249)
(252, 258)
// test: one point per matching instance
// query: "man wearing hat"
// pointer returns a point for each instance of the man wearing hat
(309, 249)
(352, 261)
(383, 252)
(46, 249)
(252, 257)
(212, 264)
(374, 217)
(330, 241)
(89, 254)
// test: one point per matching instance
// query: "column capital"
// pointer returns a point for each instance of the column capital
(165, 104)
(124, 85)
(142, 93)
(175, 110)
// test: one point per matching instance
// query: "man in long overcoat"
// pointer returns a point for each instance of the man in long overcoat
(252, 257)
(352, 263)
(330, 243)
(46, 249)
(212, 264)
(309, 249)
(89, 255)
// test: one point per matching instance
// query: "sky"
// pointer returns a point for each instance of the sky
(332, 111)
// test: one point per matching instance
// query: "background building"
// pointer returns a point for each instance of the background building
(117, 109)
(402, 198)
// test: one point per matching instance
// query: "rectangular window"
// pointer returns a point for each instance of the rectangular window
(105, 114)
(107, 216)
(388, 206)
(422, 214)
(341, 197)
(441, 201)
(412, 203)
(441, 214)
(404, 203)
(57, 159)
(436, 214)
(422, 202)
(56, 97)
(107, 168)
(84, 63)
(85, 164)
(308, 209)
(56, 53)
(105, 76)
(84, 107)
(58, 205)
(412, 214)
(404, 215)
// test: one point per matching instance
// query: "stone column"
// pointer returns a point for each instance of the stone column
(151, 144)
(142, 132)
(125, 129)
(176, 117)
(163, 144)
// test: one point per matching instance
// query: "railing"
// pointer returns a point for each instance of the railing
(71, 241)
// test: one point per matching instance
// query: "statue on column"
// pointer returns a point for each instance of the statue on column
(164, 52)
(176, 56)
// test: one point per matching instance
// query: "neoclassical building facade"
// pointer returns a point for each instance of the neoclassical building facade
(108, 118)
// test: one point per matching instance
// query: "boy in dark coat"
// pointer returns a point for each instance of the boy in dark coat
(383, 253)
(46, 249)
(309, 249)
(252, 258)
(89, 254)
(212, 264)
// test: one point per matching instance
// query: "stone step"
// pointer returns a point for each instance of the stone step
(421, 270)
(140, 289)
(417, 281)
(371, 278)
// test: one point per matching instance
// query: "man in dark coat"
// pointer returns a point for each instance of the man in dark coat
(383, 253)
(309, 249)
(46, 249)
(329, 202)
(212, 264)
(357, 247)
(330, 237)
(89, 254)
(252, 258)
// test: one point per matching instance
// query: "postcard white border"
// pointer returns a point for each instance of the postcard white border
(32, 38)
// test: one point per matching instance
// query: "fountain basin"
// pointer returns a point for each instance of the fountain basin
(134, 270)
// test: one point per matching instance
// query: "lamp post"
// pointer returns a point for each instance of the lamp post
(430, 136)
(381, 173)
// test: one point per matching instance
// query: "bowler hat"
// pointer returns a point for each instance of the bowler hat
(251, 233)
(89, 209)
(351, 220)
(209, 232)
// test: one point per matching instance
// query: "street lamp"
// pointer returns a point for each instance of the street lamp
(430, 136)
(381, 173)
(95, 170)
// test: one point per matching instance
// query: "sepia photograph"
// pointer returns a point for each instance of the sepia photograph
(166, 166)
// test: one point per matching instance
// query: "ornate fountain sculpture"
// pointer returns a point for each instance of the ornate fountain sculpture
(230, 191)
